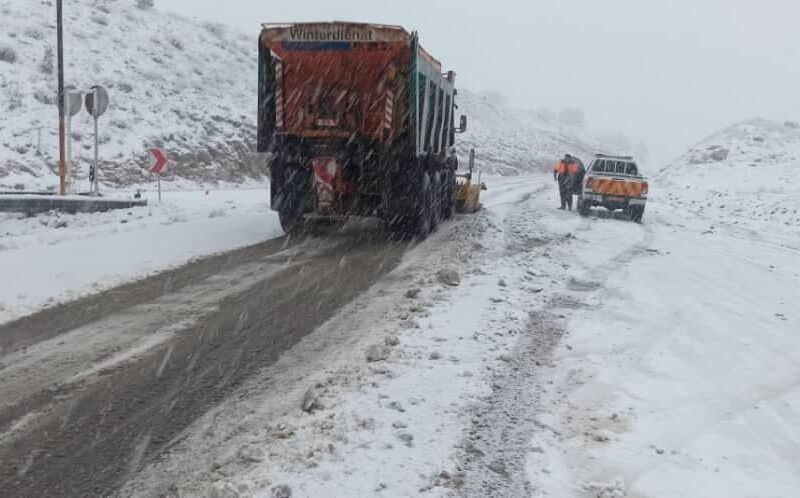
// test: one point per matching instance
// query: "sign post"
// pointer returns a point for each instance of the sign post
(96, 105)
(72, 106)
(158, 161)
(62, 188)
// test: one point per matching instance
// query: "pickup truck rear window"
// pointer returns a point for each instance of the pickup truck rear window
(615, 167)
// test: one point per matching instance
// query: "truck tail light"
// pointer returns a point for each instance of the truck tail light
(645, 188)
(589, 184)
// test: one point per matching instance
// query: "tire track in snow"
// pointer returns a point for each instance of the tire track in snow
(99, 432)
(494, 452)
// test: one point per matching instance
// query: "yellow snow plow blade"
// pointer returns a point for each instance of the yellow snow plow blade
(468, 194)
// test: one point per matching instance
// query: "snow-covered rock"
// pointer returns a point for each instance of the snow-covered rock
(377, 352)
(449, 277)
(751, 142)
(282, 491)
(311, 401)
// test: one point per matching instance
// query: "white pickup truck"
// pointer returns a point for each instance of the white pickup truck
(614, 182)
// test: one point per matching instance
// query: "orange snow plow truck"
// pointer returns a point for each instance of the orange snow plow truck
(357, 120)
(614, 182)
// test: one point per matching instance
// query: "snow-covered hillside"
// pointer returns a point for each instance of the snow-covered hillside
(745, 175)
(190, 87)
(511, 141)
(174, 82)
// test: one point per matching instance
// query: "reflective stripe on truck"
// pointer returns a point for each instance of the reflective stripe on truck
(619, 187)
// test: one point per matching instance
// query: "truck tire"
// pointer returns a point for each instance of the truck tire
(395, 205)
(421, 222)
(450, 208)
(393, 224)
(295, 192)
(449, 202)
(437, 200)
(291, 222)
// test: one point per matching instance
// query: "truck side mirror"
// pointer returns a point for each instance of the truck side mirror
(463, 127)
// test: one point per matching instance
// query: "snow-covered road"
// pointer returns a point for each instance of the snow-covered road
(577, 357)
(522, 351)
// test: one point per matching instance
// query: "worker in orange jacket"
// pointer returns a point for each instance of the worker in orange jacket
(564, 173)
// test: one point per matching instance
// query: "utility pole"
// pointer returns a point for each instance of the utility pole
(61, 120)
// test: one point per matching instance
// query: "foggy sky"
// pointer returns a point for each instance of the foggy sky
(667, 72)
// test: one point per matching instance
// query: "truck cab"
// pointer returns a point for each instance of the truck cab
(614, 182)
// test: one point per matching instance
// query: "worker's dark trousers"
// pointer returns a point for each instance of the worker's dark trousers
(566, 198)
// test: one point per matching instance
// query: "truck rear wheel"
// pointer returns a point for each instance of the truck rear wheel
(291, 222)
(450, 207)
(422, 218)
(449, 201)
(436, 201)
(293, 199)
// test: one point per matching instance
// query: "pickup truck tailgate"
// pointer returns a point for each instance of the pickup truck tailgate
(616, 187)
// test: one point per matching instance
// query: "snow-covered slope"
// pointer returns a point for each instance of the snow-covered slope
(746, 175)
(510, 141)
(117, 247)
(189, 87)
(174, 82)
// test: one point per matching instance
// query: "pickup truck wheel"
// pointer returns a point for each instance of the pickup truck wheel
(583, 208)
(638, 213)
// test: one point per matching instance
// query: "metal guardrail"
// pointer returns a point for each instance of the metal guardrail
(17, 202)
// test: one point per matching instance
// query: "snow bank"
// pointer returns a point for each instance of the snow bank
(59, 257)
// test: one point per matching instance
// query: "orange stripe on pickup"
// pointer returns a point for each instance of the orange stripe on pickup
(616, 187)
